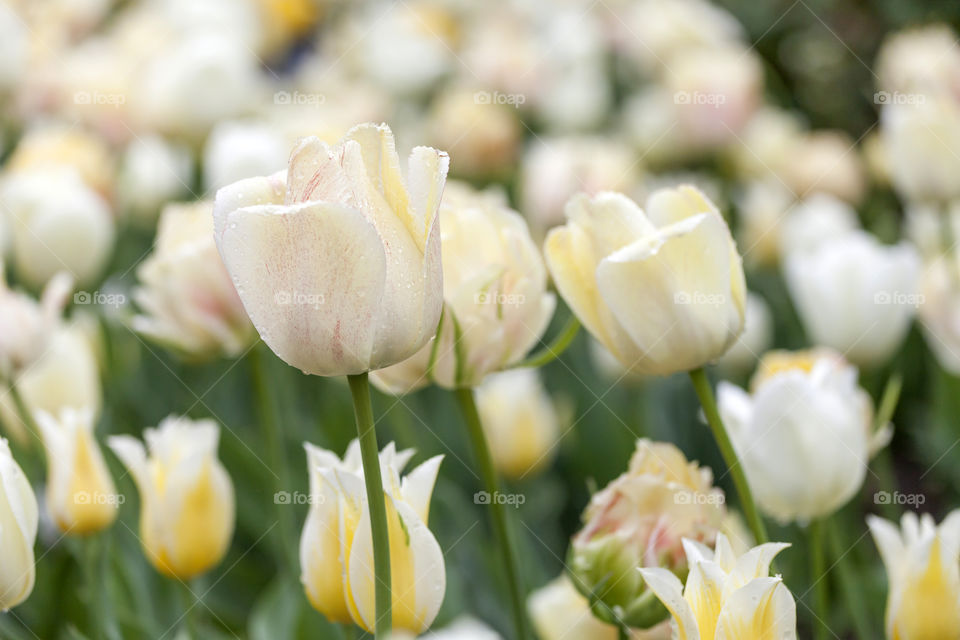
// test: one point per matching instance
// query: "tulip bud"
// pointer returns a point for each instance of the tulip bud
(923, 572)
(153, 171)
(339, 268)
(727, 596)
(81, 495)
(495, 290)
(520, 421)
(186, 496)
(664, 290)
(336, 548)
(188, 299)
(26, 326)
(804, 434)
(920, 139)
(49, 146)
(856, 295)
(639, 520)
(18, 531)
(236, 150)
(57, 222)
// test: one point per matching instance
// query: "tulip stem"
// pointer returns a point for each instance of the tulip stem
(370, 454)
(481, 452)
(815, 531)
(702, 386)
(555, 349)
(622, 632)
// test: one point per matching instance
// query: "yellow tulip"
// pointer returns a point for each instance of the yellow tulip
(923, 570)
(336, 548)
(81, 496)
(727, 597)
(186, 496)
(18, 531)
(662, 289)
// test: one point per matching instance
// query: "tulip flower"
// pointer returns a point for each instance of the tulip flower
(26, 326)
(923, 571)
(81, 495)
(640, 520)
(186, 496)
(187, 297)
(804, 433)
(495, 290)
(18, 531)
(856, 295)
(336, 548)
(663, 290)
(939, 312)
(338, 264)
(520, 421)
(727, 597)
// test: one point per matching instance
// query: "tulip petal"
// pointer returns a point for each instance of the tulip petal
(668, 588)
(311, 277)
(246, 193)
(762, 609)
(417, 487)
(704, 593)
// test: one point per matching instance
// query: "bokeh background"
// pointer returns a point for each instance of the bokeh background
(173, 99)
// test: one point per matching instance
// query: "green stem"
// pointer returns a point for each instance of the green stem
(90, 553)
(555, 349)
(24, 411)
(190, 603)
(749, 507)
(274, 442)
(623, 633)
(349, 631)
(370, 454)
(818, 571)
(481, 452)
(850, 585)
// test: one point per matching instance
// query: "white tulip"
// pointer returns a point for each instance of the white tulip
(816, 219)
(339, 265)
(921, 139)
(495, 289)
(236, 150)
(153, 171)
(918, 61)
(939, 312)
(520, 420)
(187, 504)
(187, 296)
(58, 223)
(856, 295)
(922, 560)
(336, 548)
(26, 326)
(663, 290)
(803, 434)
(18, 531)
(81, 496)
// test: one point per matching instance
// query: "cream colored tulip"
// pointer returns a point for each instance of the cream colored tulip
(336, 548)
(919, 60)
(338, 265)
(923, 572)
(65, 375)
(18, 531)
(26, 325)
(520, 420)
(81, 496)
(727, 597)
(186, 496)
(856, 295)
(663, 290)
(920, 138)
(940, 309)
(640, 520)
(59, 145)
(495, 290)
(803, 435)
(187, 296)
(153, 171)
